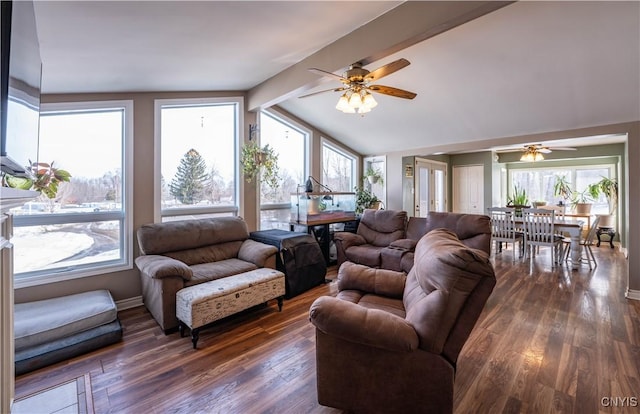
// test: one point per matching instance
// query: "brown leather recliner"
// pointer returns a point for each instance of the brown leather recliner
(377, 229)
(473, 230)
(389, 343)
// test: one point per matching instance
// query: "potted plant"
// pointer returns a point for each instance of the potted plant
(260, 164)
(365, 199)
(562, 188)
(43, 178)
(373, 175)
(609, 187)
(518, 199)
(583, 200)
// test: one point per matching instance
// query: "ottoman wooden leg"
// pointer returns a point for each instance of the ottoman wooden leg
(181, 328)
(195, 335)
(280, 302)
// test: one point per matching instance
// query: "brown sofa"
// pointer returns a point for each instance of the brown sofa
(473, 230)
(389, 343)
(377, 229)
(178, 254)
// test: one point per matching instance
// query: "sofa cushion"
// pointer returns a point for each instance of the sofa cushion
(51, 319)
(175, 236)
(207, 254)
(211, 271)
(367, 255)
(444, 274)
(381, 227)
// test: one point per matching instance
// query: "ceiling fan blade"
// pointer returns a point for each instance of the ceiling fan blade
(388, 90)
(319, 92)
(387, 69)
(543, 150)
(562, 148)
(329, 74)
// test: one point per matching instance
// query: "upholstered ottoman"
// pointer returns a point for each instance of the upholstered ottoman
(199, 305)
(52, 330)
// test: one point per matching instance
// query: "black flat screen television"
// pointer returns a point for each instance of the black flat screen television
(20, 81)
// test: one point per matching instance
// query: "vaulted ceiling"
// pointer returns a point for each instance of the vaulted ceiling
(482, 70)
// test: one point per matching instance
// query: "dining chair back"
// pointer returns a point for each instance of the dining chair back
(585, 243)
(504, 229)
(560, 210)
(539, 226)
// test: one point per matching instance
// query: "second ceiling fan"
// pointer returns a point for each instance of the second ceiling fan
(533, 152)
(357, 86)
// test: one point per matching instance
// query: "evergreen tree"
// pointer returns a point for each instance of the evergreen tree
(188, 183)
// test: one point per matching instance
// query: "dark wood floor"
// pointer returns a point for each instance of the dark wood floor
(547, 341)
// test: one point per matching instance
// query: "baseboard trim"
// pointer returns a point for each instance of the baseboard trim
(632, 294)
(129, 303)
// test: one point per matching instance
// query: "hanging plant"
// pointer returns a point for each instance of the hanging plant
(43, 177)
(373, 175)
(260, 164)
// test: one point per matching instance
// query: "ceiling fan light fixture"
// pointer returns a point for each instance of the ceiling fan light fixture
(532, 156)
(343, 103)
(355, 101)
(369, 101)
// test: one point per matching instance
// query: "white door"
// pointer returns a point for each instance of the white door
(431, 187)
(468, 189)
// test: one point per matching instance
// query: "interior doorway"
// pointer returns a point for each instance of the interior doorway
(430, 187)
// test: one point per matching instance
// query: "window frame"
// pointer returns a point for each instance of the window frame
(41, 277)
(307, 160)
(342, 150)
(188, 213)
(573, 168)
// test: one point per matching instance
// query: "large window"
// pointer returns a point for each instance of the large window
(539, 183)
(338, 167)
(197, 141)
(86, 228)
(290, 143)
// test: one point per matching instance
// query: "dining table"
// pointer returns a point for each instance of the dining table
(573, 227)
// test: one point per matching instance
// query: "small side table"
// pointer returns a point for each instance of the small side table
(609, 231)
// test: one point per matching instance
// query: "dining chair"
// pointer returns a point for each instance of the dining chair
(560, 210)
(539, 226)
(504, 229)
(585, 243)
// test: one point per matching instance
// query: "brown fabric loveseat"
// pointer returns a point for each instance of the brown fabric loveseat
(473, 230)
(178, 254)
(389, 343)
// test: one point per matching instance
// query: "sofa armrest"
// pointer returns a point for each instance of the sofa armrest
(256, 252)
(407, 245)
(347, 239)
(369, 327)
(381, 282)
(158, 267)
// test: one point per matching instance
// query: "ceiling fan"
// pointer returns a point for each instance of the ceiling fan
(357, 86)
(533, 152)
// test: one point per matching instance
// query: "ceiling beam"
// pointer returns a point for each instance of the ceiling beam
(409, 23)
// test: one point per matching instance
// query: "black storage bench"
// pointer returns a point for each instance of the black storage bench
(299, 258)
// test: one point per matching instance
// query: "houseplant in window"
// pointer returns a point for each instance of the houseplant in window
(365, 199)
(373, 175)
(609, 187)
(562, 188)
(260, 164)
(44, 178)
(583, 200)
(518, 199)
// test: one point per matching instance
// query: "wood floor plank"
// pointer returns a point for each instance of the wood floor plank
(548, 341)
